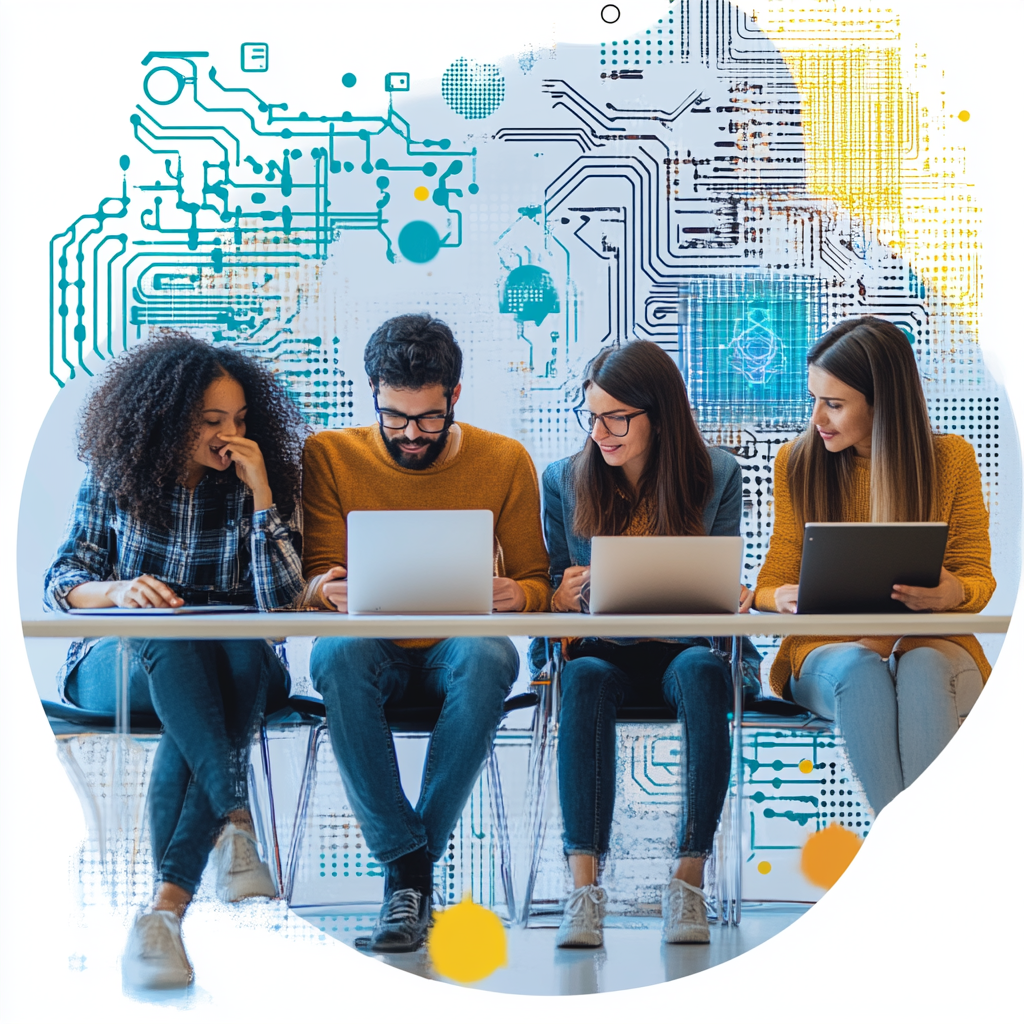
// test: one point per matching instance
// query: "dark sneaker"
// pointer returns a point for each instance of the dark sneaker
(403, 923)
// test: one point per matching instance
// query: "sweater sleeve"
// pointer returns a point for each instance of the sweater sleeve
(325, 538)
(968, 548)
(782, 562)
(518, 530)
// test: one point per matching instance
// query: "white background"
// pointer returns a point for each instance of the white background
(925, 926)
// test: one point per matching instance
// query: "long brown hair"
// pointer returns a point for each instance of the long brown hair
(876, 359)
(678, 472)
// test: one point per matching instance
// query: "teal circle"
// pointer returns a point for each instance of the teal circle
(383, 182)
(258, 197)
(430, 169)
(349, 165)
(474, 188)
(348, 79)
(125, 163)
(472, 90)
(419, 241)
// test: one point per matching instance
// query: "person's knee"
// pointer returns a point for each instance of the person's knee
(853, 668)
(583, 680)
(698, 671)
(342, 661)
(927, 670)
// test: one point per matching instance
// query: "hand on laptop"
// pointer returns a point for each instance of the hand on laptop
(508, 595)
(334, 588)
(785, 598)
(948, 595)
(746, 599)
(567, 597)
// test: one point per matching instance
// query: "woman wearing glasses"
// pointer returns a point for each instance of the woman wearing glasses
(869, 455)
(190, 497)
(644, 471)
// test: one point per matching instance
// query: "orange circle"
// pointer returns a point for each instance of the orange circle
(764, 867)
(964, 115)
(827, 854)
(421, 192)
(806, 766)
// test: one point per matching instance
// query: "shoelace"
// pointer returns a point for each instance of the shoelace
(690, 911)
(587, 902)
(403, 907)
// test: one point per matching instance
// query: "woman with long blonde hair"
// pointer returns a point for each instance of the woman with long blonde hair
(869, 455)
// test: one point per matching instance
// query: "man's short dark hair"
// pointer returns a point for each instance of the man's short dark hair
(413, 351)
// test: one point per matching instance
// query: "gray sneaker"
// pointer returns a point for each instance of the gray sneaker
(583, 920)
(240, 872)
(683, 913)
(155, 955)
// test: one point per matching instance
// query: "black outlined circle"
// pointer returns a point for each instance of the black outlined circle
(610, 14)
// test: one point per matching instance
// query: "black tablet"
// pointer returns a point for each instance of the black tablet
(851, 567)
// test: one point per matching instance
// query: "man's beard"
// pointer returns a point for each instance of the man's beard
(431, 450)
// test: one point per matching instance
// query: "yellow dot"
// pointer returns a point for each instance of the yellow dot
(764, 867)
(806, 766)
(467, 942)
(827, 854)
(421, 192)
(964, 115)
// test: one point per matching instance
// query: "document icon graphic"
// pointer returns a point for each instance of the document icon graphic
(255, 56)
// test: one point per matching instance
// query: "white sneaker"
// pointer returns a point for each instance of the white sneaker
(583, 920)
(240, 872)
(683, 913)
(155, 955)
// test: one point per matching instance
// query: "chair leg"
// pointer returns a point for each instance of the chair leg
(735, 838)
(268, 837)
(544, 728)
(501, 825)
(306, 789)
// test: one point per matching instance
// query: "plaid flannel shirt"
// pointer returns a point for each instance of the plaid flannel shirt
(215, 545)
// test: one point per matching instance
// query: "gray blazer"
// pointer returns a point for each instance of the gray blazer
(721, 519)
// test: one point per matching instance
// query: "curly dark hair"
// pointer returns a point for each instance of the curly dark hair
(413, 351)
(140, 425)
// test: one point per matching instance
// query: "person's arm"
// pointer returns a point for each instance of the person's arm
(518, 529)
(781, 567)
(82, 574)
(276, 548)
(966, 583)
(325, 535)
(566, 578)
(730, 506)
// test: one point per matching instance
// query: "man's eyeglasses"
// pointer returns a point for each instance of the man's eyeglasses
(617, 425)
(426, 423)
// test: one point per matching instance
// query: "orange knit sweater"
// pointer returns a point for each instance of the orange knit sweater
(350, 470)
(968, 551)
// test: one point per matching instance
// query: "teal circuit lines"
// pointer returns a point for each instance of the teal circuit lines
(241, 193)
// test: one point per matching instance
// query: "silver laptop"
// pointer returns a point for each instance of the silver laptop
(421, 563)
(665, 575)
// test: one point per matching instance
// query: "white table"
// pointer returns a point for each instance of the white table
(280, 624)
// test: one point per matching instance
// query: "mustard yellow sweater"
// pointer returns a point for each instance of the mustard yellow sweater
(968, 551)
(350, 470)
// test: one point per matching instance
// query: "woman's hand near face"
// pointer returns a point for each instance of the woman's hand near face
(785, 598)
(249, 467)
(949, 594)
(567, 597)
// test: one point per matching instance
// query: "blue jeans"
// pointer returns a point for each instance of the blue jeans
(209, 695)
(695, 684)
(896, 715)
(468, 677)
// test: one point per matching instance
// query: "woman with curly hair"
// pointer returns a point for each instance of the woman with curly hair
(191, 496)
